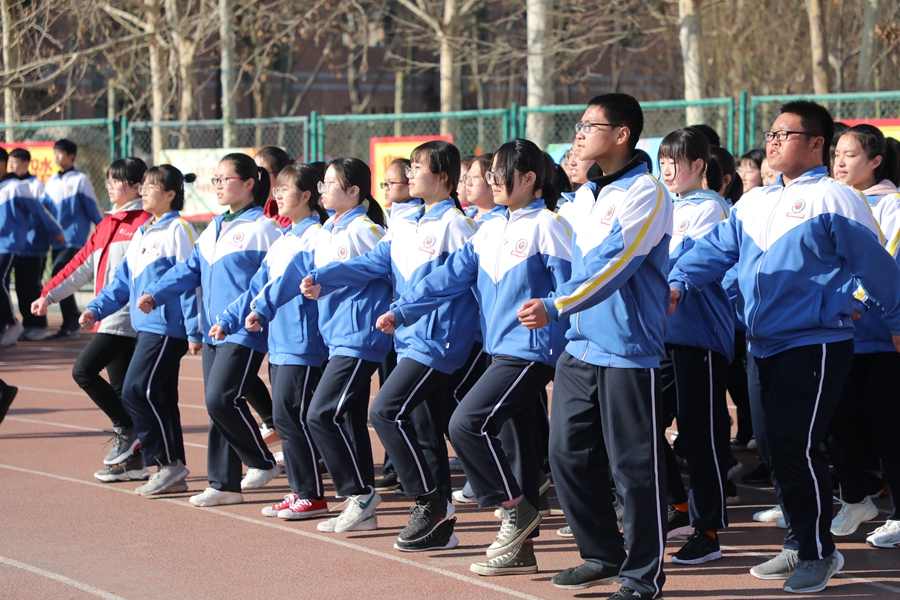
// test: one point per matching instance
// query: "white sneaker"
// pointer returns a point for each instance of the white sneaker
(256, 478)
(214, 497)
(751, 445)
(851, 516)
(11, 335)
(886, 536)
(460, 497)
(769, 515)
(358, 508)
(368, 524)
(781, 523)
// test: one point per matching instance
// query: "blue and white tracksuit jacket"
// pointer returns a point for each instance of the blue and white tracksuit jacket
(346, 315)
(16, 210)
(225, 258)
(416, 244)
(618, 298)
(797, 248)
(872, 331)
(479, 221)
(706, 319)
(154, 251)
(294, 337)
(513, 258)
(43, 227)
(71, 200)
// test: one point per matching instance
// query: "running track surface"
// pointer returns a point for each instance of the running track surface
(65, 535)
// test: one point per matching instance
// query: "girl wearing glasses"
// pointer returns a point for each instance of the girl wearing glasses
(408, 411)
(150, 390)
(225, 258)
(273, 159)
(396, 184)
(524, 251)
(338, 409)
(479, 192)
(112, 345)
(868, 410)
(296, 348)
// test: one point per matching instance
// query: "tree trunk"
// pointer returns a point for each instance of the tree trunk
(399, 84)
(185, 47)
(450, 96)
(10, 62)
(689, 36)
(158, 73)
(867, 47)
(226, 66)
(536, 24)
(818, 48)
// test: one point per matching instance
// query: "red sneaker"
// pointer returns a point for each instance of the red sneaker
(272, 511)
(303, 508)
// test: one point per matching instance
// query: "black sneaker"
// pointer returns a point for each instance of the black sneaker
(582, 576)
(131, 469)
(679, 523)
(739, 444)
(390, 481)
(627, 592)
(760, 474)
(7, 395)
(423, 519)
(699, 548)
(518, 522)
(520, 561)
(442, 538)
(64, 334)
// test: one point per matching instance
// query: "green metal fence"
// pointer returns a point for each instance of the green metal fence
(659, 119)
(290, 133)
(763, 110)
(473, 132)
(96, 140)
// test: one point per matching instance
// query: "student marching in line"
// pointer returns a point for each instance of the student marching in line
(408, 411)
(296, 349)
(607, 409)
(225, 258)
(480, 194)
(31, 261)
(113, 344)
(70, 198)
(150, 389)
(699, 346)
(524, 251)
(750, 169)
(868, 412)
(17, 209)
(339, 408)
(799, 244)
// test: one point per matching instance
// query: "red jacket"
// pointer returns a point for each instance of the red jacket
(98, 260)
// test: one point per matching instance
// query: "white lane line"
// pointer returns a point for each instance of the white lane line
(82, 394)
(78, 428)
(60, 578)
(300, 532)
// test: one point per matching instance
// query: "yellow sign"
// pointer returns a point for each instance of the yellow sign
(383, 151)
(42, 163)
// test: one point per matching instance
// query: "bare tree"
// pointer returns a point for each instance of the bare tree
(818, 46)
(689, 36)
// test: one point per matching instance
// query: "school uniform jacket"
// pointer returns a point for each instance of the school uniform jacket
(225, 258)
(617, 298)
(98, 260)
(416, 244)
(706, 319)
(872, 334)
(17, 206)
(293, 335)
(797, 248)
(71, 200)
(513, 258)
(154, 251)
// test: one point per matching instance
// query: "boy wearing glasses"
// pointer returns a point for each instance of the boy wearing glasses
(606, 397)
(800, 246)
(70, 198)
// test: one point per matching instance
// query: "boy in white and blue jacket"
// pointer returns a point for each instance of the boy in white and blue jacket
(15, 217)
(798, 245)
(70, 198)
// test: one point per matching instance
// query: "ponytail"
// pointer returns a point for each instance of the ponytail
(374, 210)
(352, 171)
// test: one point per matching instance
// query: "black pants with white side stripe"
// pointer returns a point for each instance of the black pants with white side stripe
(799, 392)
(150, 395)
(7, 312)
(419, 454)
(494, 431)
(338, 418)
(292, 392)
(693, 384)
(234, 436)
(602, 418)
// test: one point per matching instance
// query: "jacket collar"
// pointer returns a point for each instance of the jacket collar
(169, 216)
(435, 213)
(623, 178)
(133, 205)
(345, 219)
(299, 228)
(536, 204)
(814, 173)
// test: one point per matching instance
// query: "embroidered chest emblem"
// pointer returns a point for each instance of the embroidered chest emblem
(520, 248)
(151, 249)
(238, 239)
(608, 215)
(428, 244)
(682, 227)
(342, 253)
(797, 210)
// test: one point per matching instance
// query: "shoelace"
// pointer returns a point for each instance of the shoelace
(117, 440)
(845, 511)
(300, 502)
(508, 524)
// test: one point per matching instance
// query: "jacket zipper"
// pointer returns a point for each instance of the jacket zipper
(761, 260)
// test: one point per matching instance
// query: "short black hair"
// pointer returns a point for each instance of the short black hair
(622, 109)
(755, 155)
(712, 136)
(21, 154)
(275, 157)
(814, 119)
(129, 169)
(67, 146)
(4, 155)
